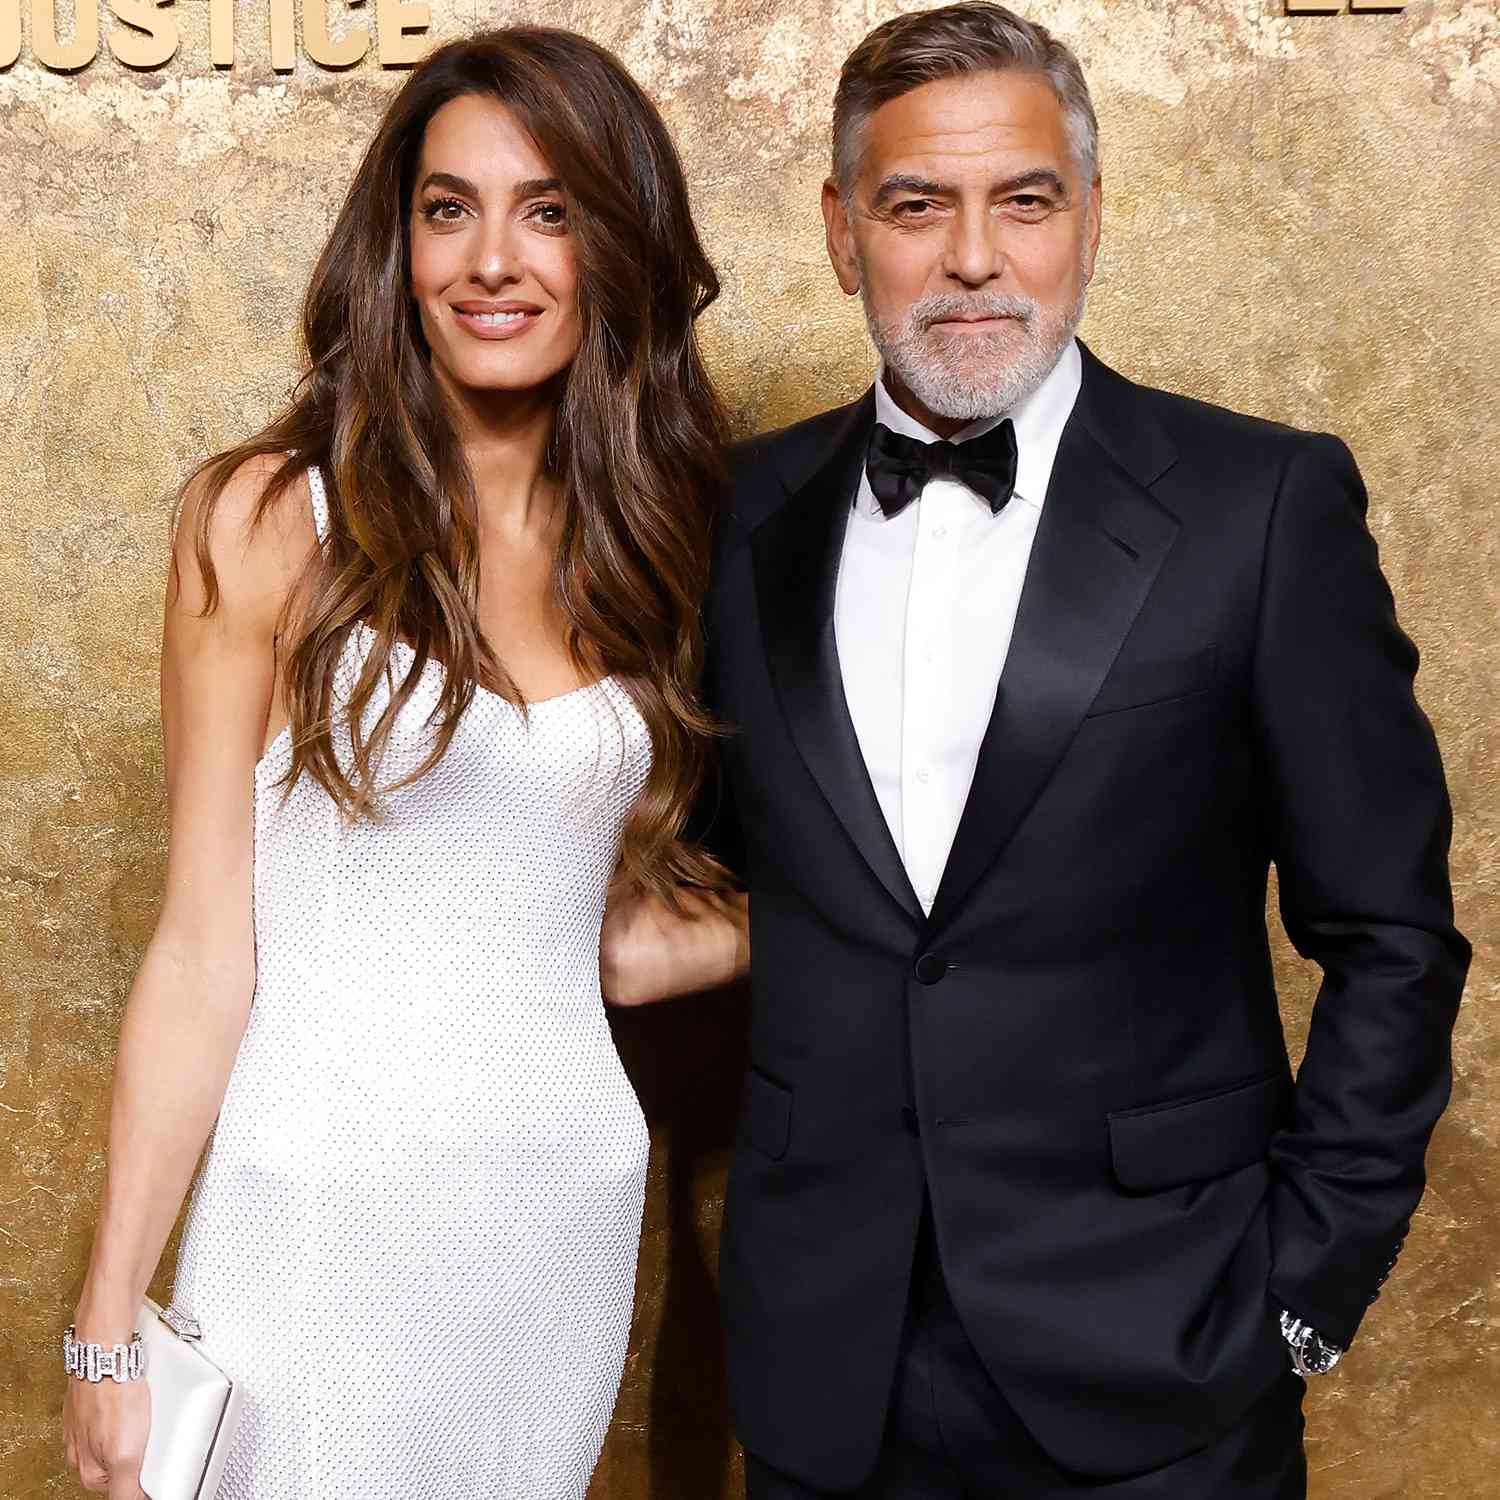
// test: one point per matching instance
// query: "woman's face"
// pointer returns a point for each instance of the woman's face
(492, 262)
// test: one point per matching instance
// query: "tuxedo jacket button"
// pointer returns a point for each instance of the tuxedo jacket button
(910, 1121)
(930, 968)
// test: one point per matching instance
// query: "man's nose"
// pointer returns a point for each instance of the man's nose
(974, 254)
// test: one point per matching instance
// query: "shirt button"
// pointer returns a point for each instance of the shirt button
(939, 532)
(924, 774)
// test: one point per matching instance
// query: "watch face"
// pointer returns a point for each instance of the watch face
(1314, 1357)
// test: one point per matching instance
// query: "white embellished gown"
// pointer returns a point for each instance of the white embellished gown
(414, 1235)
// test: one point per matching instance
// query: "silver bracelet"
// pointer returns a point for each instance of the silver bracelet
(93, 1362)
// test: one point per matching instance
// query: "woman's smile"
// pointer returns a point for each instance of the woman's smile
(496, 320)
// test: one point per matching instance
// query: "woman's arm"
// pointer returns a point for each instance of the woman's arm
(189, 1003)
(647, 952)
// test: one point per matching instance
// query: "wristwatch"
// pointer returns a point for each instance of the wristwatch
(1312, 1354)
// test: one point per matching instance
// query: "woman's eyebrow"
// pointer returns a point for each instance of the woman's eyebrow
(449, 180)
(531, 187)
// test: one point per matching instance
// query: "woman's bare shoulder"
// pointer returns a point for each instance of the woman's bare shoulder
(257, 550)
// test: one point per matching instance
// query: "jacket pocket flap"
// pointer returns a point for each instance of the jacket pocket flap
(1166, 1145)
(1135, 684)
(768, 1113)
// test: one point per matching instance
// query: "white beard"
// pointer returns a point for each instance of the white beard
(967, 376)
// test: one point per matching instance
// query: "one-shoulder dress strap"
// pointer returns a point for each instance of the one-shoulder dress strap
(319, 500)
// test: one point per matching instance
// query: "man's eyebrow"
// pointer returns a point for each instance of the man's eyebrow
(924, 187)
(900, 182)
(532, 187)
(1036, 177)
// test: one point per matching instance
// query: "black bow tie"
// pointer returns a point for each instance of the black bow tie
(899, 466)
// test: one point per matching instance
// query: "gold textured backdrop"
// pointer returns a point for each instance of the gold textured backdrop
(1302, 219)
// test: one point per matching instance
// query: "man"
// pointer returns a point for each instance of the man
(1033, 671)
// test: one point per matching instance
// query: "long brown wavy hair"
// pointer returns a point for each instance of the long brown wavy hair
(637, 449)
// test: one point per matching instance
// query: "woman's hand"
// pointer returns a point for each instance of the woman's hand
(104, 1435)
(648, 952)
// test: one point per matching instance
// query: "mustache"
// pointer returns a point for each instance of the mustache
(926, 311)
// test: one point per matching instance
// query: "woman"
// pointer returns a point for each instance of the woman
(428, 682)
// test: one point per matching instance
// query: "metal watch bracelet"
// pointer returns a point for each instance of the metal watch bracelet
(95, 1362)
(1312, 1354)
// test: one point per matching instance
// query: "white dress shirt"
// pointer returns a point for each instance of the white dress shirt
(923, 614)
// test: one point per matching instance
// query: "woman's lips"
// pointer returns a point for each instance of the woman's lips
(507, 326)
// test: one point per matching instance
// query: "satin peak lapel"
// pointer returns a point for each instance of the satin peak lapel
(796, 553)
(1098, 547)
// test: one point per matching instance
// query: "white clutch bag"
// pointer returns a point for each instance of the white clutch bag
(194, 1408)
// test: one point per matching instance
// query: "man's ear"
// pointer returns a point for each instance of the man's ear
(1095, 220)
(840, 239)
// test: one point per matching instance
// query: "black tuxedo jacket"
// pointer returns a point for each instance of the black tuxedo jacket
(1079, 1055)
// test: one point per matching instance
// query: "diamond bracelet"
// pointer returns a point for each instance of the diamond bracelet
(94, 1362)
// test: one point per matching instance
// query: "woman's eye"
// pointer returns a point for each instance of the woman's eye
(553, 215)
(434, 209)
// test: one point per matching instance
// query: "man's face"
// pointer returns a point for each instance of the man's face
(970, 236)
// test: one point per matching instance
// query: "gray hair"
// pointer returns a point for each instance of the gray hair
(950, 42)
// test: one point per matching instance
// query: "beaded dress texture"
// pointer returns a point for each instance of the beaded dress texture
(414, 1234)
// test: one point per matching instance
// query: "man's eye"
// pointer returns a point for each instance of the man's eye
(913, 207)
(1029, 203)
